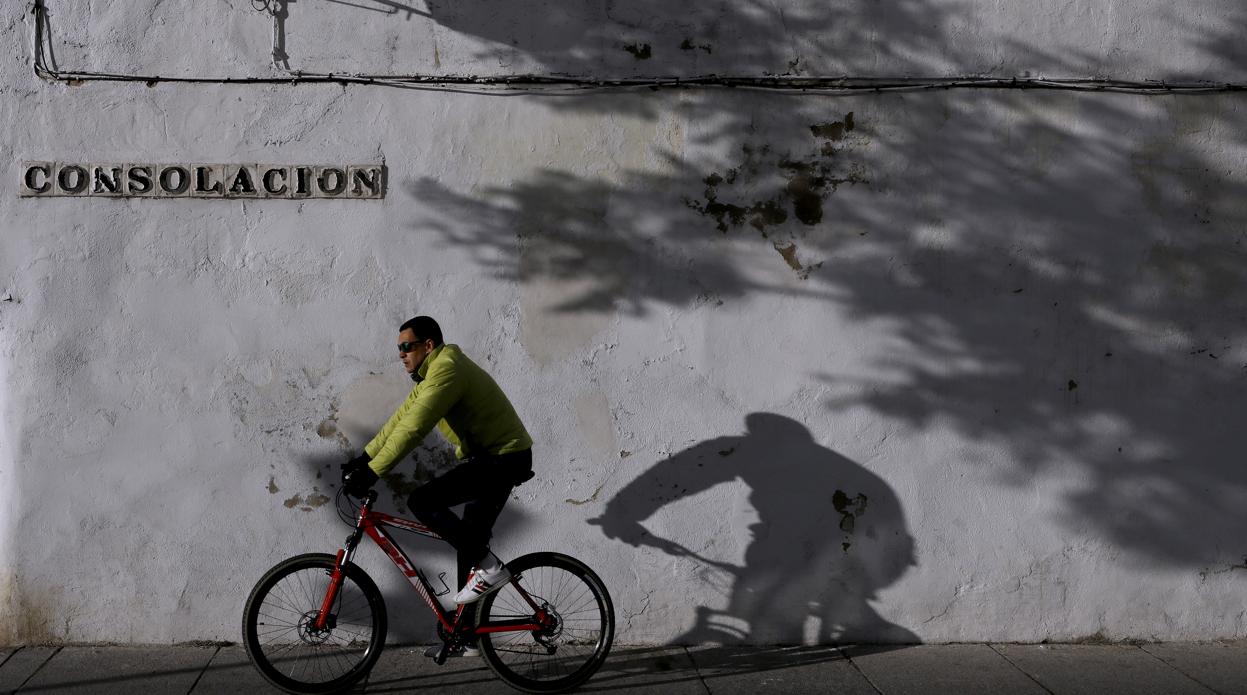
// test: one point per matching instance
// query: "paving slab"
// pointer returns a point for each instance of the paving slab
(640, 670)
(95, 670)
(407, 669)
(230, 671)
(747, 670)
(647, 670)
(21, 665)
(1073, 669)
(967, 669)
(1218, 665)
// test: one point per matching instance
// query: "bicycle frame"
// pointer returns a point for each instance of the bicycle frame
(373, 524)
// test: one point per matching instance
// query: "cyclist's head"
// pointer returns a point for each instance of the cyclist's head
(416, 339)
(423, 328)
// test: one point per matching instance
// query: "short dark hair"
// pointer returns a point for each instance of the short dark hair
(425, 328)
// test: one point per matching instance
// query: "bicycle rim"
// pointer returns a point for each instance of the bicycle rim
(566, 655)
(280, 637)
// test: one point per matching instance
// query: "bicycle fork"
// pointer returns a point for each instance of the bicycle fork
(324, 617)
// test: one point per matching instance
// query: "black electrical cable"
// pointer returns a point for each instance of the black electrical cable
(568, 84)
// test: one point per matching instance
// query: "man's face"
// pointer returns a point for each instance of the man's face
(415, 352)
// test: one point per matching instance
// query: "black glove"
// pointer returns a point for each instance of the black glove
(359, 481)
(354, 464)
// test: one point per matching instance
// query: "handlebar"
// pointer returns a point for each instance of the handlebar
(347, 512)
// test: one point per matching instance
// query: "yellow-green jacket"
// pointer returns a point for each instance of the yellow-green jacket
(462, 400)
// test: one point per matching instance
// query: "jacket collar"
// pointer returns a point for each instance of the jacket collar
(423, 370)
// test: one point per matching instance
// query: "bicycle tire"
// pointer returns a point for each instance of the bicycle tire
(573, 593)
(277, 612)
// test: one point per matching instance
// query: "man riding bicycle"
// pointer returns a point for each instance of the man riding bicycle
(473, 413)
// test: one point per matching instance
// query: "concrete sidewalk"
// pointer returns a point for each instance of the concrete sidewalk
(963, 669)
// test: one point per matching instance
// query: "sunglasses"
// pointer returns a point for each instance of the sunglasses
(404, 348)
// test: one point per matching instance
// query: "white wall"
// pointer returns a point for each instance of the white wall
(8, 488)
(1006, 326)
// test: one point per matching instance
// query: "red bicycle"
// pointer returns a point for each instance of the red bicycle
(316, 623)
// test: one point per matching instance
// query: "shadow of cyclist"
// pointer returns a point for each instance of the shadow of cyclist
(830, 534)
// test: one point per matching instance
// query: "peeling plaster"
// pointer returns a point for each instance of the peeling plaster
(591, 498)
(307, 503)
(746, 193)
(789, 254)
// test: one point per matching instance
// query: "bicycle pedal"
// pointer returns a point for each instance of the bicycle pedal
(441, 655)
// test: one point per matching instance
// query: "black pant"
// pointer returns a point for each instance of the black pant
(482, 482)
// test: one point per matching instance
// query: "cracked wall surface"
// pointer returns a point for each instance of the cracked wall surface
(967, 363)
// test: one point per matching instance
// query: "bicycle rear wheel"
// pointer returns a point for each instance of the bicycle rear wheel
(568, 653)
(282, 642)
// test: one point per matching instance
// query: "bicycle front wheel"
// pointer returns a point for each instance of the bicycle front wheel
(281, 638)
(567, 653)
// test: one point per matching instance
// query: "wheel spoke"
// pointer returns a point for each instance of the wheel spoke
(572, 648)
(279, 631)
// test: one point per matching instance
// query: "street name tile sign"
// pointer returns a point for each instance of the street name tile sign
(225, 181)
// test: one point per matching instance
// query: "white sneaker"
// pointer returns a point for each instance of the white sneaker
(482, 582)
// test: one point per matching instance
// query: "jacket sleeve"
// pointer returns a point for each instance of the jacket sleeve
(374, 447)
(428, 403)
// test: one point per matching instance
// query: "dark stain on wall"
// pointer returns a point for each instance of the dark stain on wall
(740, 195)
(1208, 571)
(849, 508)
(327, 428)
(688, 45)
(640, 51)
(806, 185)
(34, 609)
(834, 130)
(313, 500)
